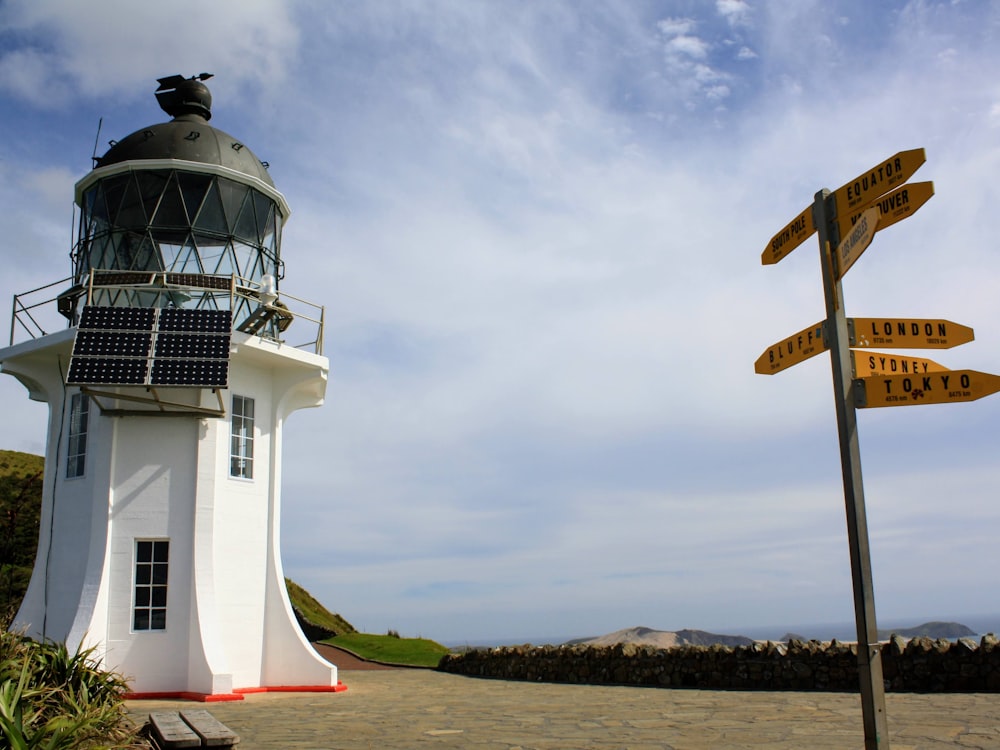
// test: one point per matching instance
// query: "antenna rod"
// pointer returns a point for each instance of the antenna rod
(100, 122)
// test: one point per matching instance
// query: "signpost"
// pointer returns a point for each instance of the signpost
(846, 221)
(869, 653)
(949, 386)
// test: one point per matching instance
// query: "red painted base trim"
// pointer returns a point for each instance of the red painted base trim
(183, 695)
(237, 694)
(338, 688)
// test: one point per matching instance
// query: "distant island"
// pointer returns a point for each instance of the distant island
(642, 636)
(662, 638)
(948, 630)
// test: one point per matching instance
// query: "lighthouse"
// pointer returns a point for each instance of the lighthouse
(170, 359)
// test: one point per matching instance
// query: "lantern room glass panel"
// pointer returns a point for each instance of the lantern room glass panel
(181, 222)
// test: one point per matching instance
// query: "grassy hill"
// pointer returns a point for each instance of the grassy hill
(391, 649)
(20, 504)
(309, 609)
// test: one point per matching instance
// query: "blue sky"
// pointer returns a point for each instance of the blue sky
(536, 228)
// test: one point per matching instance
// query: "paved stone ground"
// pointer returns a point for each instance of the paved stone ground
(406, 709)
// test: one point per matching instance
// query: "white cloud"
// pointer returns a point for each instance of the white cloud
(540, 257)
(688, 45)
(734, 11)
(73, 49)
(676, 26)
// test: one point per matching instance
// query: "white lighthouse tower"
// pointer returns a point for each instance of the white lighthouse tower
(168, 392)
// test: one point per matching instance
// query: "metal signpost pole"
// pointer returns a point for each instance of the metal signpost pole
(837, 338)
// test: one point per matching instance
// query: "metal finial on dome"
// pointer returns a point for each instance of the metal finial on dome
(178, 95)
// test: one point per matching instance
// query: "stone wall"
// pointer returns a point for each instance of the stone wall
(917, 665)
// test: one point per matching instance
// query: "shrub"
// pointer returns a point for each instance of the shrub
(52, 699)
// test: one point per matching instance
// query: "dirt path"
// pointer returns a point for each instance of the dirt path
(345, 659)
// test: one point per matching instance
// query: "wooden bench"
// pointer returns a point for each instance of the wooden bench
(193, 728)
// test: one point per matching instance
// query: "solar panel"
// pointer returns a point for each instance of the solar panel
(187, 345)
(107, 371)
(151, 346)
(200, 280)
(205, 373)
(117, 318)
(110, 343)
(198, 321)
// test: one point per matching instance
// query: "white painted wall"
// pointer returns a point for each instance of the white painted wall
(229, 621)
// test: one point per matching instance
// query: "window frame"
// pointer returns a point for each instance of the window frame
(242, 425)
(76, 438)
(150, 585)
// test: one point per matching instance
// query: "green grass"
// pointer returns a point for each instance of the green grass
(315, 612)
(411, 652)
(20, 503)
(15, 463)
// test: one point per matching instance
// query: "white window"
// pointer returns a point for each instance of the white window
(241, 444)
(149, 609)
(76, 447)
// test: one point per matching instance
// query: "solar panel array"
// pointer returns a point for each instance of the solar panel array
(151, 346)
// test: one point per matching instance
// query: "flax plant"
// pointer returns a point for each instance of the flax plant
(53, 700)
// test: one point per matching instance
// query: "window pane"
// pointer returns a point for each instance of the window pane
(159, 573)
(144, 551)
(141, 620)
(160, 551)
(142, 596)
(158, 619)
(170, 212)
(143, 574)
(159, 596)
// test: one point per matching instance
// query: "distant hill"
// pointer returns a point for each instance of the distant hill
(663, 638)
(948, 630)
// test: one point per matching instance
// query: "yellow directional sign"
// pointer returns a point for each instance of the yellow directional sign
(878, 363)
(789, 238)
(878, 180)
(857, 240)
(907, 333)
(850, 199)
(894, 206)
(935, 388)
(798, 348)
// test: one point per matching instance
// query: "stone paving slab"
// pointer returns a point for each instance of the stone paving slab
(412, 709)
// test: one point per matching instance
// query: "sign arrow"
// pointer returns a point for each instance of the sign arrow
(865, 363)
(790, 237)
(894, 206)
(852, 197)
(878, 180)
(907, 333)
(935, 388)
(797, 348)
(857, 240)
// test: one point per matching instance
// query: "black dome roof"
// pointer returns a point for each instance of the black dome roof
(188, 136)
